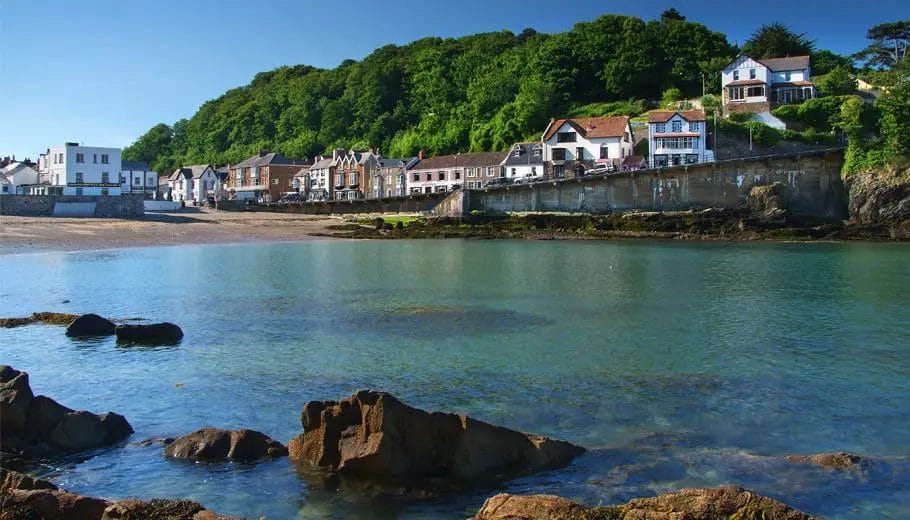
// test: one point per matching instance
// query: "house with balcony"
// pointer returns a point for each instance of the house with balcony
(194, 183)
(755, 86)
(573, 146)
(137, 177)
(390, 179)
(265, 176)
(449, 172)
(677, 137)
(74, 169)
(524, 161)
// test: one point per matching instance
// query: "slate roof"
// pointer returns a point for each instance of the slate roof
(662, 116)
(788, 63)
(269, 158)
(592, 127)
(526, 156)
(464, 160)
(385, 162)
(134, 166)
(189, 172)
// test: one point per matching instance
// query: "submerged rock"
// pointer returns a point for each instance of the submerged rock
(216, 444)
(722, 503)
(152, 334)
(39, 425)
(373, 434)
(839, 460)
(50, 318)
(89, 325)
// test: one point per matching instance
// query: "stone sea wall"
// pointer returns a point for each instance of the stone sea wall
(123, 206)
(439, 204)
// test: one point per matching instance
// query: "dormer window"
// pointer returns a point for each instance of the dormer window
(537, 151)
(735, 75)
(677, 126)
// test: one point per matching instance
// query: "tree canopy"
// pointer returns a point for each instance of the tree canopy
(777, 40)
(889, 45)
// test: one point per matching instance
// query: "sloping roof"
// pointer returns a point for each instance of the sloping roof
(592, 127)
(268, 159)
(788, 63)
(386, 162)
(794, 84)
(526, 155)
(662, 116)
(134, 166)
(463, 160)
(322, 163)
(199, 170)
(17, 167)
(194, 171)
(744, 82)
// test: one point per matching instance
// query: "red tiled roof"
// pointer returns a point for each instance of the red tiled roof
(463, 160)
(743, 82)
(592, 127)
(662, 116)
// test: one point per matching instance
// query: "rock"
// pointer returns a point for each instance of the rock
(156, 440)
(761, 199)
(15, 398)
(722, 503)
(216, 444)
(10, 479)
(50, 504)
(373, 434)
(840, 460)
(153, 334)
(89, 325)
(882, 198)
(40, 425)
(159, 508)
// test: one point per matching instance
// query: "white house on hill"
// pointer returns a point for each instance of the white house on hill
(574, 146)
(676, 138)
(752, 86)
(16, 178)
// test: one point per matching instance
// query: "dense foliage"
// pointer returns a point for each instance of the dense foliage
(479, 92)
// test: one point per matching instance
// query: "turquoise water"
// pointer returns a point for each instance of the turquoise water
(678, 364)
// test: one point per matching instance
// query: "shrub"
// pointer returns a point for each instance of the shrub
(670, 97)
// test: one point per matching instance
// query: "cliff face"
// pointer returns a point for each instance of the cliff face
(882, 201)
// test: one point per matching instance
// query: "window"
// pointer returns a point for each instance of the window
(339, 179)
(428, 189)
(787, 76)
(471, 172)
(735, 75)
(78, 191)
(80, 158)
(693, 126)
(355, 179)
(429, 176)
(751, 73)
(604, 151)
(559, 154)
(491, 172)
(440, 189)
(677, 126)
(416, 177)
(442, 176)
(534, 170)
(95, 158)
(78, 177)
(537, 151)
(255, 172)
(660, 128)
(275, 182)
(104, 191)
(737, 94)
(755, 92)
(105, 177)
(677, 143)
(457, 175)
(579, 154)
(104, 158)
(136, 181)
(122, 179)
(565, 137)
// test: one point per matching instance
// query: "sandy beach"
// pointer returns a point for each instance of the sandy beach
(191, 226)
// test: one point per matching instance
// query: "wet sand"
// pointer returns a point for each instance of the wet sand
(191, 226)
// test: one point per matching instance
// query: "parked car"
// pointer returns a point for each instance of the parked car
(290, 197)
(602, 168)
(499, 181)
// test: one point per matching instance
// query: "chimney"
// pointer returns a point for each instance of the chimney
(263, 153)
(420, 155)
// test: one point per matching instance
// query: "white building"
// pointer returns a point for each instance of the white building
(677, 137)
(315, 182)
(16, 178)
(72, 169)
(574, 146)
(193, 183)
(448, 172)
(524, 161)
(753, 86)
(136, 177)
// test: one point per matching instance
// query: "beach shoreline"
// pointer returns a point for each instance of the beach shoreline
(48, 234)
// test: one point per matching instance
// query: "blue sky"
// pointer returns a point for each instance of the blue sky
(104, 71)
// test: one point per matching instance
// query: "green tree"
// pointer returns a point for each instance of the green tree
(776, 40)
(895, 120)
(671, 97)
(824, 61)
(838, 82)
(889, 44)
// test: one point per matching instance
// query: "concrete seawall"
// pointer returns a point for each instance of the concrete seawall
(123, 206)
(812, 178)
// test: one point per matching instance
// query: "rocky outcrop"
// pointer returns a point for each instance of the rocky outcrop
(89, 325)
(373, 434)
(152, 334)
(215, 444)
(37, 425)
(722, 503)
(838, 460)
(49, 318)
(159, 508)
(880, 203)
(10, 480)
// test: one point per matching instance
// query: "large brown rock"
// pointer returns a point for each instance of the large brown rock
(373, 434)
(10, 479)
(50, 504)
(159, 508)
(721, 503)
(89, 325)
(38, 425)
(152, 334)
(216, 444)
(838, 460)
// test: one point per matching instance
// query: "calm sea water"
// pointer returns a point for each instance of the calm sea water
(678, 364)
